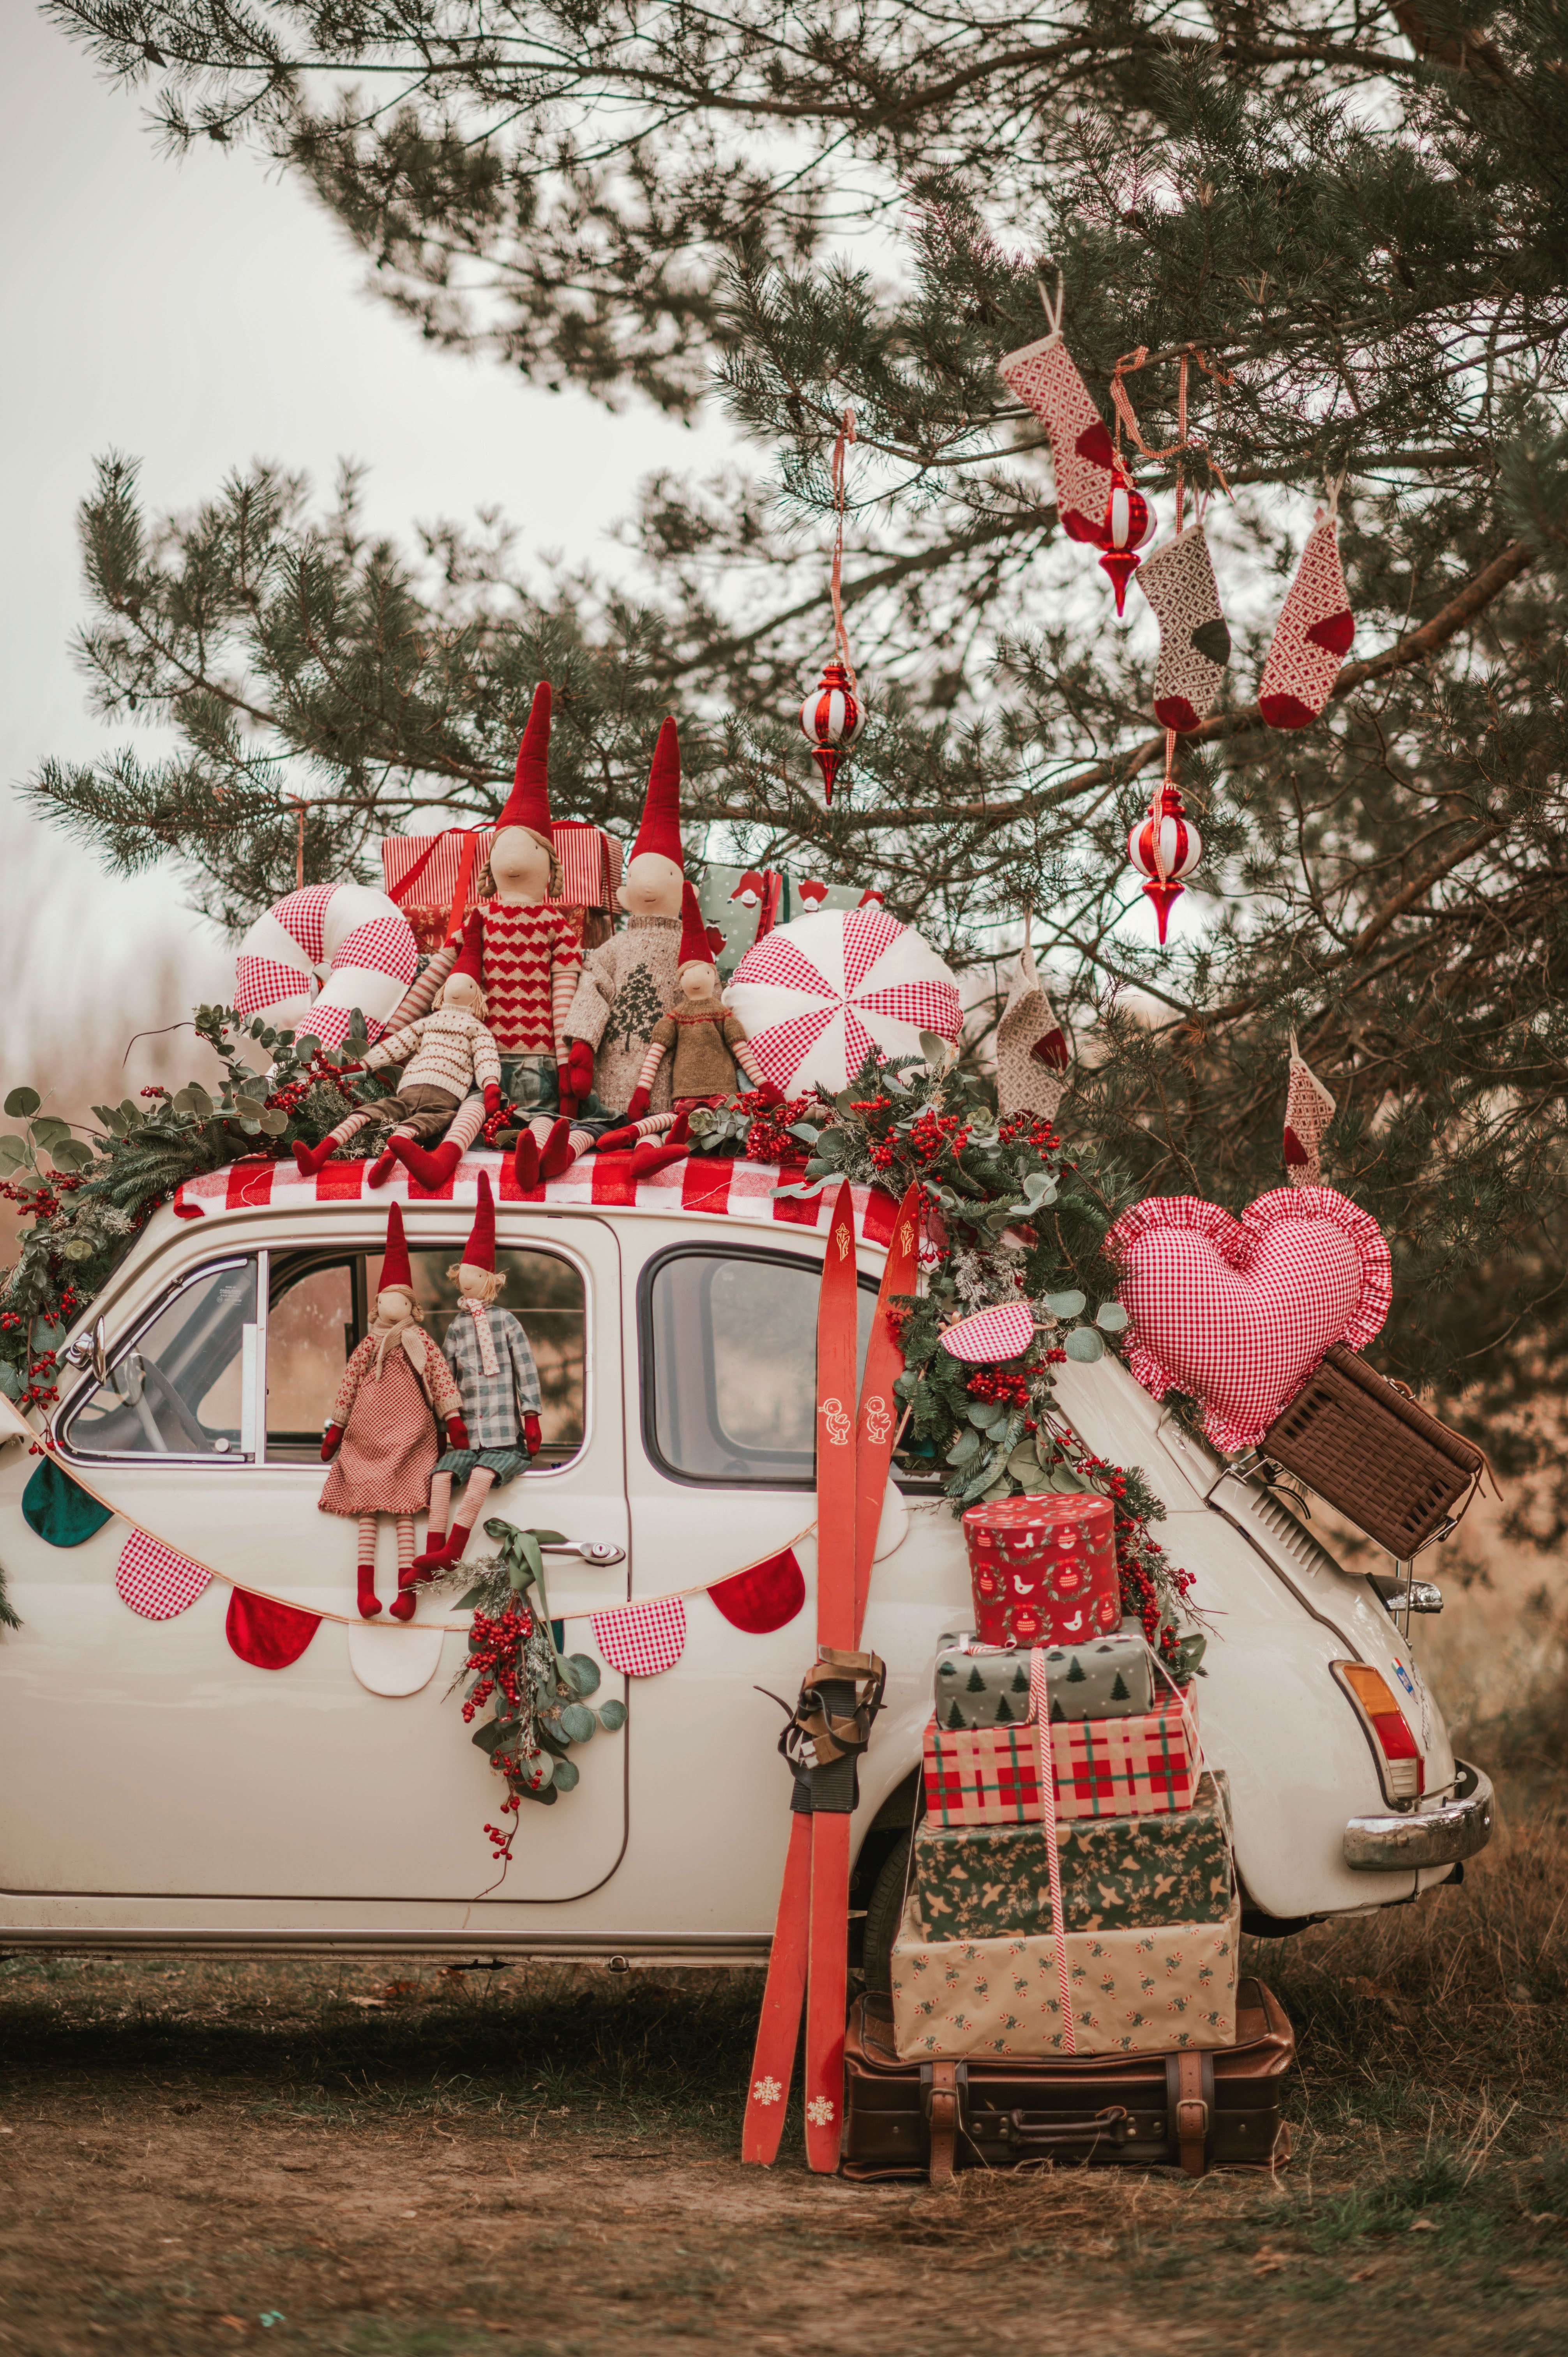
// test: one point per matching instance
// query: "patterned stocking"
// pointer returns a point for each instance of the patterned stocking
(1032, 1053)
(368, 1605)
(1194, 645)
(1313, 635)
(1046, 376)
(405, 1599)
(1309, 1109)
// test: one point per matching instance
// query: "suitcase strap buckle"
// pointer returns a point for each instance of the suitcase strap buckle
(1189, 2108)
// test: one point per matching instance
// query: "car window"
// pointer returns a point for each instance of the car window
(185, 1384)
(320, 1304)
(729, 1366)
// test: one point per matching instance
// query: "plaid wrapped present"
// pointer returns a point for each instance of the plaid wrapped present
(1145, 1992)
(1105, 1768)
(1118, 1874)
(988, 1686)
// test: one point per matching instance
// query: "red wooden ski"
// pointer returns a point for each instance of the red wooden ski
(778, 2030)
(877, 1425)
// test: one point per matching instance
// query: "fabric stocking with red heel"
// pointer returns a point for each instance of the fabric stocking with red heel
(431, 1170)
(1082, 459)
(1195, 644)
(1313, 635)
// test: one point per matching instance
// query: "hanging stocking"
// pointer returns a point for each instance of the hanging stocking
(1046, 376)
(1194, 645)
(1031, 1046)
(1313, 632)
(1309, 1109)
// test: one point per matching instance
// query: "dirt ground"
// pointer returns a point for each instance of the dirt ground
(306, 2155)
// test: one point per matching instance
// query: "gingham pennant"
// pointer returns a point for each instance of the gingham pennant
(641, 1640)
(154, 1581)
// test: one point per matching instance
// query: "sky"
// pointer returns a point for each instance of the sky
(199, 315)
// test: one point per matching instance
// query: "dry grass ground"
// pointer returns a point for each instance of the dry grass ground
(544, 2163)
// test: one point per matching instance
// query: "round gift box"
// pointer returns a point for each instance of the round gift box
(1030, 1556)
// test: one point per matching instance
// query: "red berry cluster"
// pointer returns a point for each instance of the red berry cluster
(1027, 1128)
(935, 1134)
(768, 1139)
(495, 1645)
(1010, 1384)
(501, 1840)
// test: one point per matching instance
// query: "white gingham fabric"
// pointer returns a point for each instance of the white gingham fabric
(1237, 1313)
(154, 1581)
(641, 1640)
(818, 995)
(991, 1335)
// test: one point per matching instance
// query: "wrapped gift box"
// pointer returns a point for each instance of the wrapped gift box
(1118, 1874)
(1143, 1992)
(1043, 1569)
(1105, 1768)
(988, 1686)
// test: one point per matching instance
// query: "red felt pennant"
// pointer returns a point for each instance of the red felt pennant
(767, 1597)
(265, 1633)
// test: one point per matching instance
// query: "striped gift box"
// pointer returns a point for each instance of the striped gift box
(590, 865)
(1129, 1767)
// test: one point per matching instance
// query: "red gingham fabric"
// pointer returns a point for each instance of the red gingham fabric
(641, 1640)
(1237, 1313)
(263, 982)
(991, 1335)
(302, 916)
(866, 933)
(154, 1581)
(842, 990)
(1143, 1766)
(385, 945)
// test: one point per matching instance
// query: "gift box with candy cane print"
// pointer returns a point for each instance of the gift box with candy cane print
(1043, 1569)
(1129, 1767)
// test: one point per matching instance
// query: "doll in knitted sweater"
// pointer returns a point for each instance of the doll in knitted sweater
(704, 1040)
(446, 1055)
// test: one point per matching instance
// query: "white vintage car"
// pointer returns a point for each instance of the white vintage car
(167, 1795)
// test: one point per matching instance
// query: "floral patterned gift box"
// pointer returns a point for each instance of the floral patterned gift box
(1135, 1992)
(982, 1882)
(1105, 1768)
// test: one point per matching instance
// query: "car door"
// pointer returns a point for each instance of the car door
(176, 1769)
(721, 1470)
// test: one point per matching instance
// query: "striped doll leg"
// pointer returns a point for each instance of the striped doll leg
(309, 1159)
(406, 1598)
(368, 1607)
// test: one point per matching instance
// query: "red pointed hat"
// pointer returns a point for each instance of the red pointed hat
(395, 1269)
(470, 957)
(528, 804)
(479, 1252)
(660, 828)
(694, 941)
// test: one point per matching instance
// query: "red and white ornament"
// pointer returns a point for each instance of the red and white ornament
(819, 993)
(1129, 523)
(832, 717)
(1165, 847)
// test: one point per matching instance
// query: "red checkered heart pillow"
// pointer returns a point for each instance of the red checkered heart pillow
(1237, 1313)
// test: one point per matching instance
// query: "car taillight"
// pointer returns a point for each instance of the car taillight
(1394, 1748)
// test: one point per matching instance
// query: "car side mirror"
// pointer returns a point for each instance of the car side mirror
(89, 1353)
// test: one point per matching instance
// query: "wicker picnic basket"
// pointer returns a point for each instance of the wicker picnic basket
(1371, 1451)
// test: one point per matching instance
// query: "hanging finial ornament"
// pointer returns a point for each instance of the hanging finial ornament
(1165, 846)
(1129, 522)
(832, 715)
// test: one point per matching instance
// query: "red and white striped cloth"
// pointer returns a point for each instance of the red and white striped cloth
(590, 866)
(641, 1640)
(154, 1581)
(1237, 1313)
(702, 1184)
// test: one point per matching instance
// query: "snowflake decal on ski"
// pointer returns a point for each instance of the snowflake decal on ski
(767, 2091)
(820, 2111)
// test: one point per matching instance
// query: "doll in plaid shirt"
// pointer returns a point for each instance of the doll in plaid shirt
(488, 1354)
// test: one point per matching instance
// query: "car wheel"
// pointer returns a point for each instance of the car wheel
(883, 1910)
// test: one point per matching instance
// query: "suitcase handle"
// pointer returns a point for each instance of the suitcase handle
(1038, 2132)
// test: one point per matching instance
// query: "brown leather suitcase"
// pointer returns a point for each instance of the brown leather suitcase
(1188, 2111)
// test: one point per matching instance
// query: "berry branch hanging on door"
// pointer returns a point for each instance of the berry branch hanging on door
(832, 715)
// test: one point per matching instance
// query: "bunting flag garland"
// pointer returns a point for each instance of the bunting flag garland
(269, 1635)
(394, 1658)
(642, 1639)
(157, 1582)
(766, 1598)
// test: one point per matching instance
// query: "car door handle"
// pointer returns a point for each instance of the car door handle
(600, 1550)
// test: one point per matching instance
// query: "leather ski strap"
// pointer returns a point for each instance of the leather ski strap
(876, 1425)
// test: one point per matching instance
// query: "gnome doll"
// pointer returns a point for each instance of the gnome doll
(494, 1367)
(452, 1078)
(703, 1038)
(629, 981)
(531, 963)
(382, 1441)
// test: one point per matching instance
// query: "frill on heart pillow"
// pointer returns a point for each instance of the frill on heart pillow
(1238, 1312)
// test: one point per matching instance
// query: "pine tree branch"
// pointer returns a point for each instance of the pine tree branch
(1414, 648)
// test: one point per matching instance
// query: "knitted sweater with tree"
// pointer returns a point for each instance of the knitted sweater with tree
(626, 985)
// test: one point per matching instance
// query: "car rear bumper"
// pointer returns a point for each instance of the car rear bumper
(1443, 1835)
